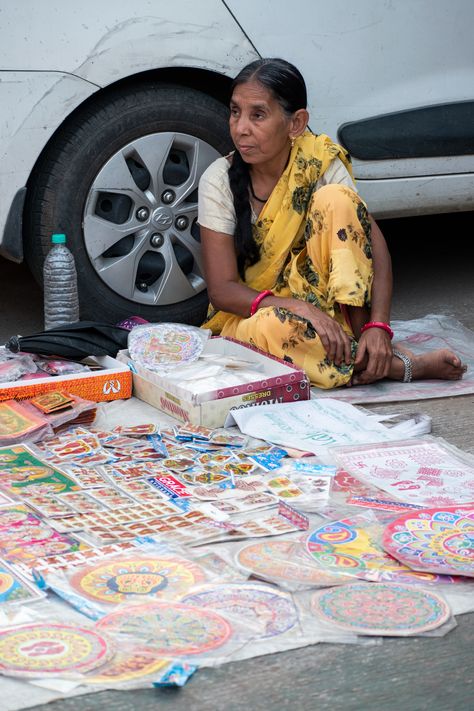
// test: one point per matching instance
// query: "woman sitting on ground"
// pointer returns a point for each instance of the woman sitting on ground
(294, 263)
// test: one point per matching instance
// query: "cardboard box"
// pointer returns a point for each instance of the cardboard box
(114, 382)
(280, 382)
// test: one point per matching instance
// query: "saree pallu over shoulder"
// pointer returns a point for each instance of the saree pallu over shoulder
(280, 229)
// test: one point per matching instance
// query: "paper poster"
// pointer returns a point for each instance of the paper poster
(311, 425)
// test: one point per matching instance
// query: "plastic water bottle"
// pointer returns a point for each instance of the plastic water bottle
(61, 301)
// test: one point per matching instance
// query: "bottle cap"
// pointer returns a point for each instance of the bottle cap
(58, 239)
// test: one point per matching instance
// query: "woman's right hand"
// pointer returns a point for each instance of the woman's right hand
(334, 339)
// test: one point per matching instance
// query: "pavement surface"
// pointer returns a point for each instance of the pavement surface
(433, 274)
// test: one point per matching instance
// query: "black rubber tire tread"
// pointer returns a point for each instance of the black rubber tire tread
(59, 185)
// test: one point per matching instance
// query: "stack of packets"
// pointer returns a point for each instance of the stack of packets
(146, 552)
(36, 418)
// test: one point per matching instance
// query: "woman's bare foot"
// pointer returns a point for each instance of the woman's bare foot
(441, 364)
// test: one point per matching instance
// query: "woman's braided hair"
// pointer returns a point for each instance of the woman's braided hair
(288, 87)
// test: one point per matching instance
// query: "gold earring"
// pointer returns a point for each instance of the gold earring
(292, 141)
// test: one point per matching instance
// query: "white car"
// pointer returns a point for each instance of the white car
(110, 111)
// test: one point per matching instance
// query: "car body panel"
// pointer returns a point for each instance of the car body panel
(359, 60)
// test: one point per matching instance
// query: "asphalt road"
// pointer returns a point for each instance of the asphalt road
(433, 274)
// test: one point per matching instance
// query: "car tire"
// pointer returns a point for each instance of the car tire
(68, 192)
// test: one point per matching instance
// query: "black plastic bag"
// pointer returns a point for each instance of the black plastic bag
(74, 341)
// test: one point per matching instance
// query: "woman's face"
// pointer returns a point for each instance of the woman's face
(258, 125)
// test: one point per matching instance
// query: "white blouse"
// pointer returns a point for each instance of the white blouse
(216, 203)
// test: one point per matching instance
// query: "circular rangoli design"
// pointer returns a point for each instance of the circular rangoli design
(163, 344)
(128, 665)
(268, 611)
(273, 560)
(435, 540)
(119, 579)
(169, 628)
(381, 608)
(348, 546)
(47, 649)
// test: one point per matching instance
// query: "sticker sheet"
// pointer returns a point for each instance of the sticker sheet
(268, 611)
(15, 589)
(22, 473)
(434, 540)
(285, 562)
(381, 609)
(40, 650)
(25, 537)
(353, 546)
(170, 629)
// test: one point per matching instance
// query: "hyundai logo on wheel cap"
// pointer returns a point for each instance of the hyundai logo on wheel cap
(162, 217)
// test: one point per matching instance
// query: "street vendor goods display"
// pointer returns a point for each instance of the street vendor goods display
(435, 540)
(381, 609)
(40, 650)
(131, 555)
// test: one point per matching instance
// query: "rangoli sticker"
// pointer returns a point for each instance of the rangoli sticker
(169, 628)
(351, 546)
(434, 540)
(128, 665)
(381, 608)
(165, 344)
(268, 611)
(39, 650)
(118, 580)
(276, 560)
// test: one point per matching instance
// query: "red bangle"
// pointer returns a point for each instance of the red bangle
(255, 303)
(377, 324)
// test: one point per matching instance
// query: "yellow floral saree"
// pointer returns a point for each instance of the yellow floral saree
(315, 246)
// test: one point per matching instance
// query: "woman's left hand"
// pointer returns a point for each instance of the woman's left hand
(375, 351)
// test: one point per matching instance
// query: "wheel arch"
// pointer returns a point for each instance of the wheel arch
(210, 82)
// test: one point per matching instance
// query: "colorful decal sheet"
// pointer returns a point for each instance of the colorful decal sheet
(381, 609)
(426, 471)
(16, 423)
(283, 562)
(434, 540)
(170, 629)
(15, 589)
(40, 650)
(135, 664)
(130, 577)
(22, 473)
(165, 344)
(25, 537)
(353, 546)
(269, 612)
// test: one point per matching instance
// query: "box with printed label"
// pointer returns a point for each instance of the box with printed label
(111, 381)
(278, 381)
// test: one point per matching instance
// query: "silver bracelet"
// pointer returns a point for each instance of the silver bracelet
(408, 375)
